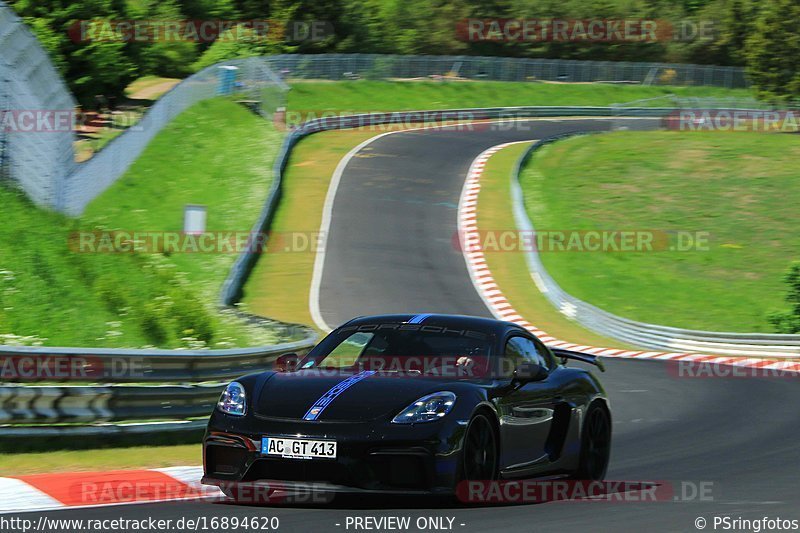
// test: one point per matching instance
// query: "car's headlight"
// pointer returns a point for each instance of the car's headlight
(427, 409)
(232, 400)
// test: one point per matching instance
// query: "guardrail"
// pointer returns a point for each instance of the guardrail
(104, 431)
(35, 410)
(95, 404)
(639, 333)
(143, 366)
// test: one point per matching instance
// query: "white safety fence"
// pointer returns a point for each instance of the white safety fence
(29, 89)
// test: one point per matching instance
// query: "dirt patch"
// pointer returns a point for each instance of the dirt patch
(153, 92)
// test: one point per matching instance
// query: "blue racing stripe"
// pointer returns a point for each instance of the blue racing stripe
(419, 318)
(326, 399)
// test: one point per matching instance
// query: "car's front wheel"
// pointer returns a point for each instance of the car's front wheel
(480, 450)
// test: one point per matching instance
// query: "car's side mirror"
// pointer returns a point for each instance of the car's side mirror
(529, 371)
(286, 362)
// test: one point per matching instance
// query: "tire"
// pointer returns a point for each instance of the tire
(480, 451)
(595, 444)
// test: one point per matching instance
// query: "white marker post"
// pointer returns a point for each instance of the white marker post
(194, 219)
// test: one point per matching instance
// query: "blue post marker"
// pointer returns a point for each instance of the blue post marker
(227, 80)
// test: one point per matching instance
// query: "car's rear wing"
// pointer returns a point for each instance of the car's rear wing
(579, 356)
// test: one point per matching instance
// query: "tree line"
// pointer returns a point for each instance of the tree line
(760, 35)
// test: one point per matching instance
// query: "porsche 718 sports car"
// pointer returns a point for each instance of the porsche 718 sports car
(411, 403)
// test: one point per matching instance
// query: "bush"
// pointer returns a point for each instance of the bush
(192, 319)
(151, 322)
(789, 321)
(111, 293)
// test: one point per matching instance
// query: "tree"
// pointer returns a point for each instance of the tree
(162, 57)
(89, 68)
(789, 321)
(253, 9)
(239, 42)
(733, 21)
(209, 9)
(773, 51)
(105, 67)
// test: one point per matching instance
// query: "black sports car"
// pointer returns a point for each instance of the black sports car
(411, 403)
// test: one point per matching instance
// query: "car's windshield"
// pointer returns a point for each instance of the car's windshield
(427, 350)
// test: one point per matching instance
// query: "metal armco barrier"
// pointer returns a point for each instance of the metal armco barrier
(105, 430)
(630, 331)
(29, 364)
(84, 404)
(34, 410)
(190, 382)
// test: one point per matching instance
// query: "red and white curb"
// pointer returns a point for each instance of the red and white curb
(491, 294)
(43, 492)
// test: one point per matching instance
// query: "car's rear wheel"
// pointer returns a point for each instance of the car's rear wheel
(480, 450)
(595, 444)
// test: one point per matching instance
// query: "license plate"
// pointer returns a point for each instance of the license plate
(298, 448)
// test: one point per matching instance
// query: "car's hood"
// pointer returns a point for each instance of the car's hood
(346, 395)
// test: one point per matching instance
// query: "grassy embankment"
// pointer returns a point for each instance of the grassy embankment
(740, 189)
(216, 154)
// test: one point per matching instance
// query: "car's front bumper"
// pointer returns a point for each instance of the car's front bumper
(371, 456)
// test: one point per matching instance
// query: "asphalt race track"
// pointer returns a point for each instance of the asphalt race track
(390, 245)
(390, 249)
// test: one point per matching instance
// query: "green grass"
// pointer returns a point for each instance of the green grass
(510, 269)
(366, 95)
(741, 188)
(100, 460)
(280, 283)
(219, 155)
(51, 295)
